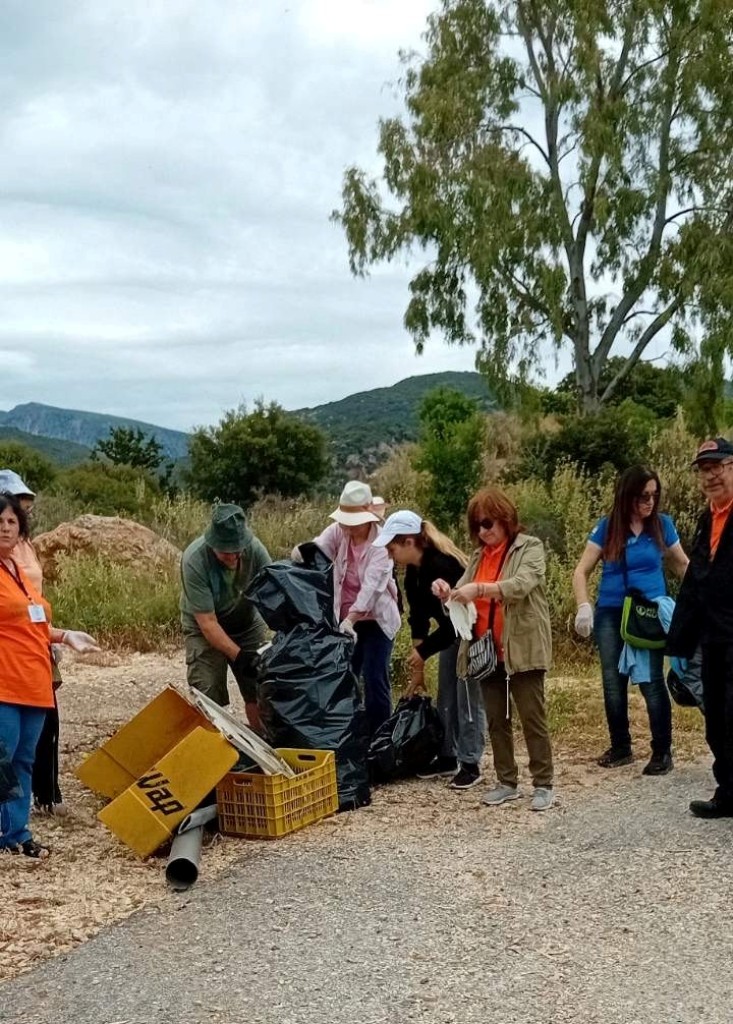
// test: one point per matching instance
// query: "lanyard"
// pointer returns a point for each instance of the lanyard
(16, 578)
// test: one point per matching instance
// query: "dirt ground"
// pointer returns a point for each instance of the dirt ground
(92, 880)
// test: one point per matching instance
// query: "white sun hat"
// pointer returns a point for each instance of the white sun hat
(11, 483)
(355, 505)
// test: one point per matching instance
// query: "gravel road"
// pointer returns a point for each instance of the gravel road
(612, 908)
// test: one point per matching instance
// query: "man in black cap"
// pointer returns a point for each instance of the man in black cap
(704, 615)
(220, 626)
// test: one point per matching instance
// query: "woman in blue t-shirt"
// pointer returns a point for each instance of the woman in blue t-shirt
(631, 543)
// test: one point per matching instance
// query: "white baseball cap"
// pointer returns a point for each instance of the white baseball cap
(400, 524)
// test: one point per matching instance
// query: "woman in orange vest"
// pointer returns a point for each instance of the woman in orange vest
(26, 688)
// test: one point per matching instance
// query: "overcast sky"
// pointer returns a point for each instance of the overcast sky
(168, 169)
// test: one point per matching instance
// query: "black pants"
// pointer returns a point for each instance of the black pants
(717, 688)
(46, 790)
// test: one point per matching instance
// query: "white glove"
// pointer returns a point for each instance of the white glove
(78, 641)
(463, 617)
(295, 555)
(347, 628)
(584, 620)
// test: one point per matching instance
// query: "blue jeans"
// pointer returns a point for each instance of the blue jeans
(20, 729)
(370, 662)
(461, 709)
(607, 631)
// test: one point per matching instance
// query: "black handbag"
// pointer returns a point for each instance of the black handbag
(641, 626)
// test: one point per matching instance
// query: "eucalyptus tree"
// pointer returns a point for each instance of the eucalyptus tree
(563, 171)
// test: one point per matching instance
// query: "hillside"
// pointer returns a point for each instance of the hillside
(363, 428)
(62, 453)
(86, 428)
(366, 426)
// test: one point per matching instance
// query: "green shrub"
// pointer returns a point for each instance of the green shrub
(108, 490)
(118, 604)
(34, 468)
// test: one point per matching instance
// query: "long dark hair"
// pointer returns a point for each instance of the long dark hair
(629, 487)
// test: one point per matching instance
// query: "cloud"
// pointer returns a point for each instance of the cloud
(169, 169)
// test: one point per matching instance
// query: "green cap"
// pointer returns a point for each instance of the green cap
(228, 531)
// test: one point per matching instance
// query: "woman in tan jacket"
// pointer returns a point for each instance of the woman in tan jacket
(505, 581)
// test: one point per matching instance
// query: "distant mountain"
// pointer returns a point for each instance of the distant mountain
(62, 453)
(86, 428)
(365, 427)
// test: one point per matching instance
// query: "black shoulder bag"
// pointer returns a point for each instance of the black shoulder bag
(640, 624)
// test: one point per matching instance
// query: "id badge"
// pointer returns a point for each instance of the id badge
(37, 613)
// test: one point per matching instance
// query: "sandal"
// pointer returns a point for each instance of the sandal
(30, 848)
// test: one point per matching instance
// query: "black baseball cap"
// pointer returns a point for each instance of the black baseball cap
(713, 451)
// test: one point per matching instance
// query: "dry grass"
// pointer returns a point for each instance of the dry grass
(92, 880)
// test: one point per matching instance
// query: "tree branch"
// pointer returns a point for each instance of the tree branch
(647, 263)
(649, 333)
(521, 131)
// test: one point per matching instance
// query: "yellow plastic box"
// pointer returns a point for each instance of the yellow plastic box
(256, 806)
(156, 769)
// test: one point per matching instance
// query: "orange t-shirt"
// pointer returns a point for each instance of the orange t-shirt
(25, 645)
(720, 518)
(488, 571)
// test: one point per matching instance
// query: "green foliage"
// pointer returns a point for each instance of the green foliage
(282, 524)
(615, 438)
(659, 389)
(179, 518)
(107, 490)
(128, 446)
(267, 451)
(566, 166)
(452, 431)
(35, 469)
(56, 450)
(119, 605)
(365, 427)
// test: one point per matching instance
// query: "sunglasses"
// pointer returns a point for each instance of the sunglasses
(647, 497)
(485, 524)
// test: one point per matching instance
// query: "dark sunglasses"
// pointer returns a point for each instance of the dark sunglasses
(485, 524)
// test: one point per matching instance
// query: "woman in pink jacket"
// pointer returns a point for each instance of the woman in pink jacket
(365, 594)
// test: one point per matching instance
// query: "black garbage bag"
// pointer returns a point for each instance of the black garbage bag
(684, 682)
(288, 593)
(407, 742)
(308, 694)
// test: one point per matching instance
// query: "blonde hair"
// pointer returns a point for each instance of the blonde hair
(431, 537)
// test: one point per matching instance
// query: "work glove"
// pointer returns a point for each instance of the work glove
(347, 628)
(584, 620)
(296, 555)
(242, 662)
(80, 642)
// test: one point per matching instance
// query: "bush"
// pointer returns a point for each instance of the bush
(267, 451)
(118, 605)
(108, 490)
(35, 469)
(280, 525)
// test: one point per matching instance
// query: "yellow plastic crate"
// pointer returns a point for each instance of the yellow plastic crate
(270, 806)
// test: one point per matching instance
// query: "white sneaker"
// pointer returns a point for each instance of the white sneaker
(500, 795)
(543, 798)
